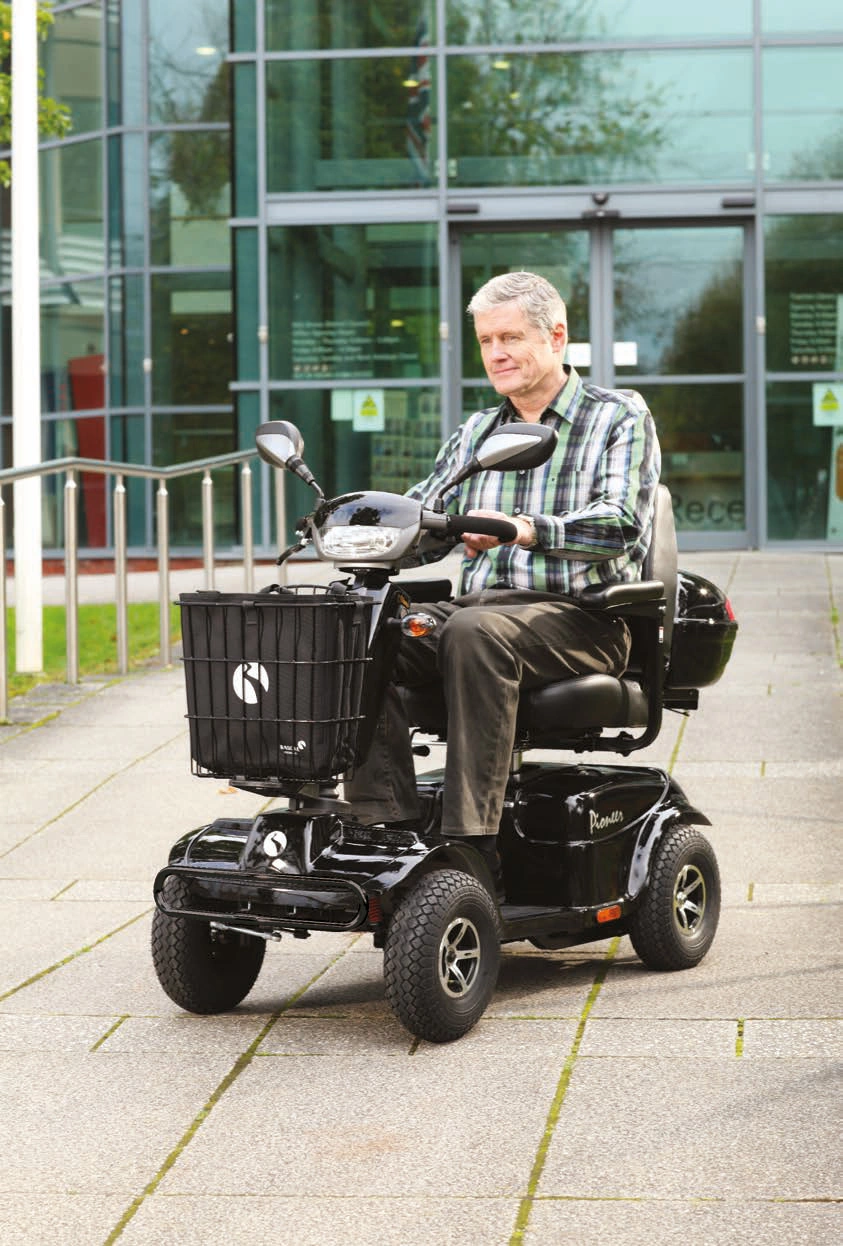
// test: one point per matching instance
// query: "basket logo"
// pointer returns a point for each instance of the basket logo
(246, 679)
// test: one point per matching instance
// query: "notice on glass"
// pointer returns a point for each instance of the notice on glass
(815, 330)
(827, 403)
(369, 411)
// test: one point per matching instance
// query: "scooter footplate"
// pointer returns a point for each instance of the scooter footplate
(265, 902)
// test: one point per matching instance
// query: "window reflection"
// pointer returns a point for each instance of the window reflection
(189, 198)
(126, 387)
(679, 299)
(197, 435)
(188, 78)
(73, 232)
(803, 113)
(72, 62)
(72, 346)
(804, 469)
(353, 301)
(359, 124)
(564, 21)
(291, 25)
(544, 118)
(816, 16)
(192, 361)
(701, 433)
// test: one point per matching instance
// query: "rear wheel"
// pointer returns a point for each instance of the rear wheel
(442, 955)
(202, 968)
(677, 919)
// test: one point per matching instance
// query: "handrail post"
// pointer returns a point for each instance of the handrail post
(162, 510)
(120, 583)
(4, 651)
(248, 536)
(71, 578)
(208, 528)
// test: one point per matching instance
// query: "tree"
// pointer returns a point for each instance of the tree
(53, 118)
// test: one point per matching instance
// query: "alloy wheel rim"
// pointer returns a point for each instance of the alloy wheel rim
(690, 897)
(459, 957)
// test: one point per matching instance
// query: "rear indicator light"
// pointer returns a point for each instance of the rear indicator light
(610, 914)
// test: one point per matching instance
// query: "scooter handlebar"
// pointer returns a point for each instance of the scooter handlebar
(458, 525)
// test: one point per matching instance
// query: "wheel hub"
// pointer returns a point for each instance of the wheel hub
(459, 957)
(689, 899)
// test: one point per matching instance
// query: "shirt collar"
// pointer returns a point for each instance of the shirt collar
(561, 406)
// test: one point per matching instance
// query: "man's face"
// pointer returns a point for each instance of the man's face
(520, 361)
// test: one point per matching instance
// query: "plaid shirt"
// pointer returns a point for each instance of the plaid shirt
(592, 502)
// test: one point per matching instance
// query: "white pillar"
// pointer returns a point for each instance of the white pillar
(26, 336)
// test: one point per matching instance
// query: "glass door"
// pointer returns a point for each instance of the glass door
(656, 308)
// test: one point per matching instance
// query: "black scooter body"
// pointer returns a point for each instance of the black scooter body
(575, 841)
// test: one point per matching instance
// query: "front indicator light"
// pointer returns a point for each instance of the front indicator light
(610, 914)
(418, 624)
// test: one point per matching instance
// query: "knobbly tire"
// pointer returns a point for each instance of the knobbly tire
(675, 925)
(201, 969)
(442, 955)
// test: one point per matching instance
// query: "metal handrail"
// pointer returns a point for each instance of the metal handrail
(71, 467)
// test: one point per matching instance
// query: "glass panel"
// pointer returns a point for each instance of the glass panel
(128, 445)
(701, 433)
(126, 224)
(817, 16)
(189, 198)
(359, 125)
(292, 26)
(245, 149)
(568, 21)
(353, 301)
(803, 459)
(345, 453)
(73, 346)
(126, 44)
(243, 25)
(72, 63)
(548, 118)
(562, 256)
(246, 303)
(679, 300)
(72, 237)
(804, 293)
(191, 339)
(803, 113)
(126, 349)
(188, 78)
(197, 435)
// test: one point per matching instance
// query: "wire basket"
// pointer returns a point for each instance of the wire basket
(274, 681)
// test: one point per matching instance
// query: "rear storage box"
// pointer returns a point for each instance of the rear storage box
(703, 634)
(274, 681)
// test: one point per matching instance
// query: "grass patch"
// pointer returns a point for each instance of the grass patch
(97, 641)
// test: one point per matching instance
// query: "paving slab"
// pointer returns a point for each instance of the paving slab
(595, 1100)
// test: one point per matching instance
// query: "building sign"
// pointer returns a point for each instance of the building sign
(331, 348)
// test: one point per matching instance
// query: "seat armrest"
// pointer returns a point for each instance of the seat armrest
(615, 596)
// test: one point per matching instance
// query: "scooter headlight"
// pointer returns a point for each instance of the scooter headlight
(359, 541)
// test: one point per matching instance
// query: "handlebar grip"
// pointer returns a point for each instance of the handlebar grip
(503, 529)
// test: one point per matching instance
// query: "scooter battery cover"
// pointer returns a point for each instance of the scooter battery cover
(274, 681)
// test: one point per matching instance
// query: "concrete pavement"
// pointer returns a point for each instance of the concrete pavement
(596, 1101)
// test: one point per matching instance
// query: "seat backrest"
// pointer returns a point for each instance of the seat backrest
(661, 560)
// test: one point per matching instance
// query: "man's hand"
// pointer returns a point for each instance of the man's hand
(476, 542)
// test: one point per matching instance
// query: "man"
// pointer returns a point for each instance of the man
(584, 517)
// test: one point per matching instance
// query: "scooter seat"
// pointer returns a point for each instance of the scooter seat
(586, 703)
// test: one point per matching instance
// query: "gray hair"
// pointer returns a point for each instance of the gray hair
(540, 302)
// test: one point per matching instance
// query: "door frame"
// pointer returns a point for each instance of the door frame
(601, 224)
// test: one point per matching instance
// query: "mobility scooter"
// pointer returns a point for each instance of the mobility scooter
(283, 690)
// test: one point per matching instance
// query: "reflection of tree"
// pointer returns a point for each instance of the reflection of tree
(54, 119)
(576, 117)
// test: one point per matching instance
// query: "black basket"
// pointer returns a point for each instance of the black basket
(274, 682)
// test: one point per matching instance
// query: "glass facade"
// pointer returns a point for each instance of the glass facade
(266, 208)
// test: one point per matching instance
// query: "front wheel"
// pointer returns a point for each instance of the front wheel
(442, 955)
(677, 919)
(202, 968)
